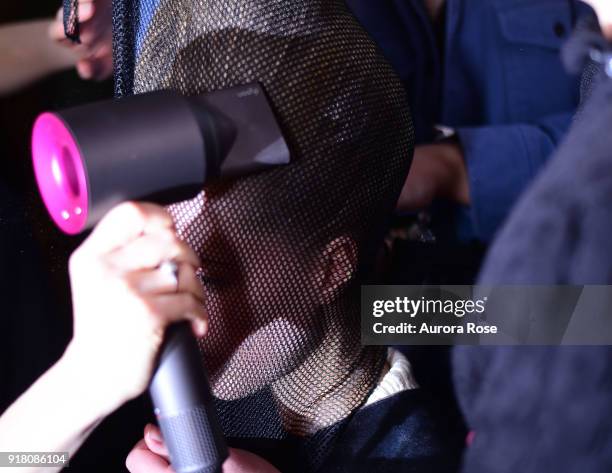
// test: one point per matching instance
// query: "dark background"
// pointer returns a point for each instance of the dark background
(35, 312)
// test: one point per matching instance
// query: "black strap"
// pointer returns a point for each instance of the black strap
(124, 34)
(71, 20)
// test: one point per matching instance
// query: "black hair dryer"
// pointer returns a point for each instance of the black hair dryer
(161, 147)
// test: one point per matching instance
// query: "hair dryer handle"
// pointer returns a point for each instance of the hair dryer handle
(184, 405)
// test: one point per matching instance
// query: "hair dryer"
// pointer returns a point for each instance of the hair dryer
(158, 146)
(164, 148)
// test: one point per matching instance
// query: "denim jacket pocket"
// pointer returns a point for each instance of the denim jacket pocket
(545, 24)
(532, 33)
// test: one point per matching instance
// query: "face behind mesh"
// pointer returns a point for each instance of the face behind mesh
(284, 252)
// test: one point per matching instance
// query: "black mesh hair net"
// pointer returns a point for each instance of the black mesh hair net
(284, 252)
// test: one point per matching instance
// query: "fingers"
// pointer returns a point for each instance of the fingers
(181, 307)
(159, 282)
(150, 250)
(98, 66)
(86, 69)
(189, 297)
(86, 11)
(142, 460)
(127, 222)
(241, 461)
(150, 455)
(155, 442)
(128, 246)
(95, 34)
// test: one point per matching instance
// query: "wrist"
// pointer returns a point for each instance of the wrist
(67, 403)
(85, 386)
(458, 188)
(46, 53)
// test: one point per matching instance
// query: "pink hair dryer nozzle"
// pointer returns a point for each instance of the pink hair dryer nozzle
(60, 173)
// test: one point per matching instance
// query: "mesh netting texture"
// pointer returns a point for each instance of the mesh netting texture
(284, 252)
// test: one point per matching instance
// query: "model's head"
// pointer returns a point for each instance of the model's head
(284, 251)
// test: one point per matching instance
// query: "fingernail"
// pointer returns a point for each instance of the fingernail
(86, 11)
(84, 70)
(154, 435)
(202, 326)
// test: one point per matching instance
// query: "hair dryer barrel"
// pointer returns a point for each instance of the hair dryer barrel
(184, 406)
(158, 146)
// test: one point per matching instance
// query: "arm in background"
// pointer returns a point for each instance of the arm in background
(27, 55)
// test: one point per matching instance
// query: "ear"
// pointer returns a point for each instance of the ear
(339, 266)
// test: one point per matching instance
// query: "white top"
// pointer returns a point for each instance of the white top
(398, 378)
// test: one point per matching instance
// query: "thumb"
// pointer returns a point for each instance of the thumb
(143, 460)
(155, 442)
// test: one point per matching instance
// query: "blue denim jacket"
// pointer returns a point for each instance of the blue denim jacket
(499, 82)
